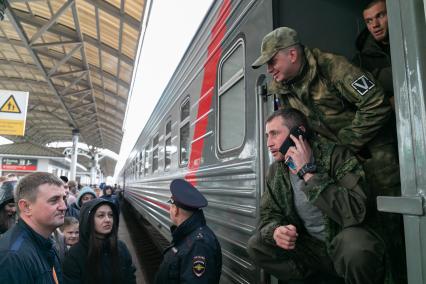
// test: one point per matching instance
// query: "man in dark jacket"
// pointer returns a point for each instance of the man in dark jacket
(27, 254)
(7, 206)
(374, 48)
(314, 210)
(194, 255)
(374, 55)
(108, 194)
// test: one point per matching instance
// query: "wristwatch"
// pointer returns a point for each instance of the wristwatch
(307, 168)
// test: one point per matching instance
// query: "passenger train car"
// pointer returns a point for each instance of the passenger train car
(208, 126)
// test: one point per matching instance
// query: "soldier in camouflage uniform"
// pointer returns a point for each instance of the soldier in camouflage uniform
(313, 218)
(343, 104)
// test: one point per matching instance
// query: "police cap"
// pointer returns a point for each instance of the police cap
(273, 42)
(186, 196)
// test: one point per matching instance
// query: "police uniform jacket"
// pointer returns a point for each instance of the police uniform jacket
(194, 255)
(27, 257)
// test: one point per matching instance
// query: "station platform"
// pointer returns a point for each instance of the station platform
(124, 235)
(143, 246)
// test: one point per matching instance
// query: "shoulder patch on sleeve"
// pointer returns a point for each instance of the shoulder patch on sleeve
(362, 85)
(198, 265)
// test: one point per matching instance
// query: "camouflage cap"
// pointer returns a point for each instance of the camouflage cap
(276, 40)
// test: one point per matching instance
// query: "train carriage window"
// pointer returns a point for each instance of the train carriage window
(231, 104)
(140, 164)
(184, 133)
(146, 160)
(168, 145)
(155, 153)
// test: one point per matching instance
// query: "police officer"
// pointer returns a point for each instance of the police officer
(194, 255)
(343, 103)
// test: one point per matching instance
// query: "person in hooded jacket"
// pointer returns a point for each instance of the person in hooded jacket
(7, 206)
(85, 195)
(108, 194)
(99, 257)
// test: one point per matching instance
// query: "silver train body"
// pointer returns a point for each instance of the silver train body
(208, 126)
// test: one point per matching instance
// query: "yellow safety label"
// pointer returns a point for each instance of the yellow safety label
(10, 105)
(12, 127)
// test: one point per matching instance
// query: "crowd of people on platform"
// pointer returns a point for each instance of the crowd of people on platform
(318, 219)
(53, 232)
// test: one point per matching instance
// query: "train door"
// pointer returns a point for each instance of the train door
(407, 29)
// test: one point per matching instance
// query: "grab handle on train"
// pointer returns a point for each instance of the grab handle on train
(406, 205)
(261, 88)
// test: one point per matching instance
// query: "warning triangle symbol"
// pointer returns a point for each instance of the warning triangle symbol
(10, 106)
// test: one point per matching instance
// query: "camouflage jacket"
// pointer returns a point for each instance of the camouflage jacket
(376, 59)
(338, 189)
(342, 102)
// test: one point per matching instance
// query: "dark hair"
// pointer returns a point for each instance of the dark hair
(372, 3)
(291, 118)
(64, 179)
(27, 187)
(96, 247)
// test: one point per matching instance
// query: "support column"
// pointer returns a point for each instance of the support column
(73, 169)
(94, 168)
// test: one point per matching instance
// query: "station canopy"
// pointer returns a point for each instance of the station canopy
(76, 59)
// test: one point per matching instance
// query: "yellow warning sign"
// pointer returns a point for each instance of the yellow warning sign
(10, 106)
(12, 127)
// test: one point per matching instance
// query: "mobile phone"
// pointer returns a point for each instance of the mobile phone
(296, 132)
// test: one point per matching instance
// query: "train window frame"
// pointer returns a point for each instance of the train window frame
(224, 87)
(155, 149)
(146, 160)
(184, 123)
(140, 173)
(168, 137)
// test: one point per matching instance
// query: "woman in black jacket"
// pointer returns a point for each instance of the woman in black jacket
(99, 257)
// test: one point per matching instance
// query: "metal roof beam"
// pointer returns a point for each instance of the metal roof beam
(65, 59)
(114, 11)
(51, 21)
(65, 74)
(61, 30)
(82, 106)
(49, 44)
(72, 61)
(19, 29)
(73, 83)
(81, 101)
(78, 93)
(22, 80)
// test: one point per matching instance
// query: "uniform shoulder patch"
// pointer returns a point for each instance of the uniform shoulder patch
(198, 265)
(362, 85)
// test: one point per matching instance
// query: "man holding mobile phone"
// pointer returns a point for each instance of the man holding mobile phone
(314, 220)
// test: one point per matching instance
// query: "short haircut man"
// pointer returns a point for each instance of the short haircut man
(27, 254)
(344, 104)
(312, 216)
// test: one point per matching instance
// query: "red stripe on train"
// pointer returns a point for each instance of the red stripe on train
(208, 84)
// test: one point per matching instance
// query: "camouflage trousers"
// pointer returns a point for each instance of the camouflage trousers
(382, 174)
(356, 255)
